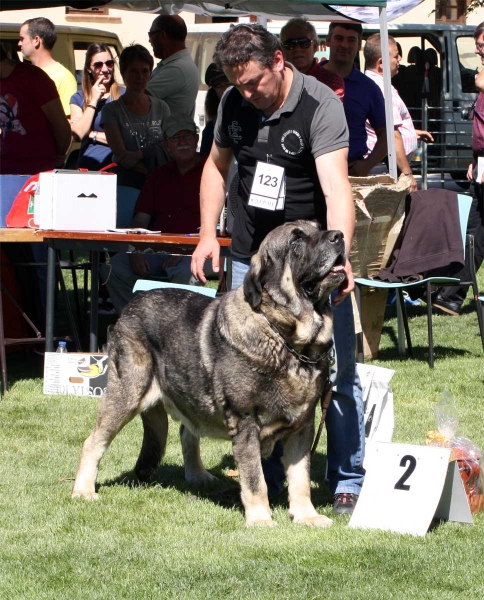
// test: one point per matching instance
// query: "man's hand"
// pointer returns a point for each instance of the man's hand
(413, 184)
(206, 248)
(347, 286)
(140, 264)
(358, 168)
(470, 172)
(424, 136)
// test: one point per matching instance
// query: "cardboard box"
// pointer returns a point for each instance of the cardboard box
(380, 210)
(75, 373)
(76, 201)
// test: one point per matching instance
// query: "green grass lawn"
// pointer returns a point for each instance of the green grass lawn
(169, 540)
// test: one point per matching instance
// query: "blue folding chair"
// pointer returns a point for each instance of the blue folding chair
(125, 202)
(144, 285)
(464, 205)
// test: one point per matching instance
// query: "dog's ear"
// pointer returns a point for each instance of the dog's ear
(253, 282)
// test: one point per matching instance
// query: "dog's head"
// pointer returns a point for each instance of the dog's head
(297, 264)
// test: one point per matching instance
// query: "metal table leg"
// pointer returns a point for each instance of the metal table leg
(93, 328)
(49, 317)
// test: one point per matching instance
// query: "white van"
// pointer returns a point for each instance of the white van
(447, 50)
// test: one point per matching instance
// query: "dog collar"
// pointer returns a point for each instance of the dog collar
(327, 356)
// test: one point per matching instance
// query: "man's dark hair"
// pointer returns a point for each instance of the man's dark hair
(132, 53)
(45, 29)
(173, 25)
(353, 26)
(478, 30)
(372, 50)
(244, 42)
(303, 24)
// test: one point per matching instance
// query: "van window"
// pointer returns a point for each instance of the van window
(469, 62)
(202, 47)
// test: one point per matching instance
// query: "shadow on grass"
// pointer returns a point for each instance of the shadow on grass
(224, 492)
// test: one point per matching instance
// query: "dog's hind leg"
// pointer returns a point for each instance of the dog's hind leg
(296, 459)
(195, 472)
(155, 427)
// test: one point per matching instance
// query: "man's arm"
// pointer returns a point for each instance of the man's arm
(360, 168)
(332, 171)
(212, 199)
(60, 127)
(402, 161)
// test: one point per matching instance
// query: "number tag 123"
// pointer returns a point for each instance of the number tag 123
(268, 188)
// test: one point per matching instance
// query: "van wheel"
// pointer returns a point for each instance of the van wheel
(460, 177)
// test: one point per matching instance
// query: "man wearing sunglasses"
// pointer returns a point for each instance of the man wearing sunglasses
(300, 42)
(175, 79)
(37, 39)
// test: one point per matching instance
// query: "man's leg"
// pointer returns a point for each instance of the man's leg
(119, 277)
(450, 299)
(345, 416)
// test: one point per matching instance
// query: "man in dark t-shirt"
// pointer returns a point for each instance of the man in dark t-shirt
(277, 115)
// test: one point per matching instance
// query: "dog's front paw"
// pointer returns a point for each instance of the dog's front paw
(316, 521)
(84, 494)
(260, 523)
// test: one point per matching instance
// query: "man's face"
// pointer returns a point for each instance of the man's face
(480, 47)
(344, 45)
(157, 39)
(26, 43)
(183, 145)
(259, 85)
(394, 59)
(299, 48)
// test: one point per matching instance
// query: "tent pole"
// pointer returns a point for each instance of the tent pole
(387, 86)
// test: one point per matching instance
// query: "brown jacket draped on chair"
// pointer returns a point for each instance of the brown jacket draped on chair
(430, 243)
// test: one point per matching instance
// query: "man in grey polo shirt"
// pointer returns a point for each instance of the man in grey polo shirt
(175, 79)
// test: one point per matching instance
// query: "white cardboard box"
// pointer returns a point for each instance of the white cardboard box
(76, 201)
(75, 373)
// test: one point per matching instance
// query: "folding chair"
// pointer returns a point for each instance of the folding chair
(464, 204)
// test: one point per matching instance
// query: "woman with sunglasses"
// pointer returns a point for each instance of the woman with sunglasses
(134, 123)
(98, 88)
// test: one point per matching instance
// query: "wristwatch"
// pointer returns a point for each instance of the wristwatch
(94, 137)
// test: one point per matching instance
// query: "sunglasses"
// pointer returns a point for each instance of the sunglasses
(303, 42)
(99, 64)
(150, 33)
(479, 46)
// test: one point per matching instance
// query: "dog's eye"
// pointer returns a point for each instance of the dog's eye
(309, 287)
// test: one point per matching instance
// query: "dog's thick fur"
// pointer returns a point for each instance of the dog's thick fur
(221, 368)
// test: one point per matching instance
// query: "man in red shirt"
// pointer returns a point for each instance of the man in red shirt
(35, 134)
(169, 202)
(300, 42)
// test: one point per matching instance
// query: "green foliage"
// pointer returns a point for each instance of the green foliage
(168, 540)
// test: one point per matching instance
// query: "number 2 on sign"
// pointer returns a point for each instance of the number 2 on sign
(410, 462)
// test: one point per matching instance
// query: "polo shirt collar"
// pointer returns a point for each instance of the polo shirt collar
(173, 57)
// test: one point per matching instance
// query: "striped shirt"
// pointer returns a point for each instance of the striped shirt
(478, 127)
(401, 119)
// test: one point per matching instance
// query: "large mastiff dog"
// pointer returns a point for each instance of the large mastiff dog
(249, 366)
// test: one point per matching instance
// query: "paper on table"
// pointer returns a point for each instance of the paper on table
(480, 168)
(133, 230)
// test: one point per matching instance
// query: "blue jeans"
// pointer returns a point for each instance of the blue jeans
(344, 419)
